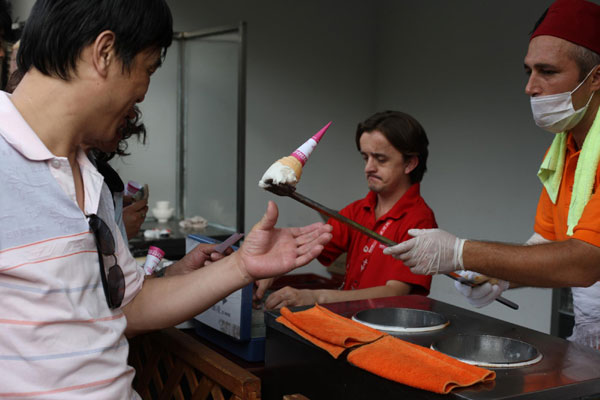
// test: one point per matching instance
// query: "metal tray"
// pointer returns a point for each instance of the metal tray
(488, 351)
(401, 319)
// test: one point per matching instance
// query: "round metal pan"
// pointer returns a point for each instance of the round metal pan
(488, 351)
(405, 320)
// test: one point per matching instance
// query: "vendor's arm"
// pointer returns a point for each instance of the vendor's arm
(559, 264)
(547, 261)
(288, 296)
(267, 251)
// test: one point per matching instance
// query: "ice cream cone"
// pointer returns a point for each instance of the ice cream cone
(303, 152)
(287, 170)
(294, 164)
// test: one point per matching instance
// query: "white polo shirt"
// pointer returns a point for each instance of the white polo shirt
(58, 338)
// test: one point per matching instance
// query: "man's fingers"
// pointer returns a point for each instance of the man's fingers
(261, 287)
(418, 232)
(268, 220)
(482, 291)
(309, 256)
(485, 298)
(316, 226)
(398, 250)
(275, 299)
(304, 236)
(320, 239)
(138, 205)
(214, 256)
(465, 290)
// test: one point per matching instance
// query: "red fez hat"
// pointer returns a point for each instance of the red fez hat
(577, 21)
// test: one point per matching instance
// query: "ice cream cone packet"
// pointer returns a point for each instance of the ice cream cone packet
(287, 170)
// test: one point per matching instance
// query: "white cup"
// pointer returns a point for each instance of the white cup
(162, 205)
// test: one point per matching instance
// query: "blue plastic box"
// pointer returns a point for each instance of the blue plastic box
(229, 323)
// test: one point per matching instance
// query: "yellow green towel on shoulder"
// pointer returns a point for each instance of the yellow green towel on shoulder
(552, 167)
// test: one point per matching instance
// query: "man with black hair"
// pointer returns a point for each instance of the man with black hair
(5, 37)
(70, 289)
(563, 64)
(393, 146)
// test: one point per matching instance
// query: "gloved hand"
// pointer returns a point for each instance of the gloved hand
(482, 295)
(429, 252)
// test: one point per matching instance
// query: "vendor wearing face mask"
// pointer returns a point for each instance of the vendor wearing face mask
(563, 64)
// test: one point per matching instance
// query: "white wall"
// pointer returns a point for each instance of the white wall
(456, 66)
(20, 9)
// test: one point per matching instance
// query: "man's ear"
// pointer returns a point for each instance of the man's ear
(411, 164)
(596, 79)
(103, 52)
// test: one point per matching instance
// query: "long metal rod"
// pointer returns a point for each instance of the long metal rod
(335, 215)
(220, 30)
(374, 235)
(181, 132)
(241, 131)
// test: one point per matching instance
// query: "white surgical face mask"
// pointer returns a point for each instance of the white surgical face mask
(555, 113)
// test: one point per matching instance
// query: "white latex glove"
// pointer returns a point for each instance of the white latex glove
(481, 295)
(536, 238)
(429, 252)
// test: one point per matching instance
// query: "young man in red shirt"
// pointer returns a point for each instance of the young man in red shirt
(394, 148)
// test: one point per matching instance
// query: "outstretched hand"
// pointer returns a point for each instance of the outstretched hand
(268, 251)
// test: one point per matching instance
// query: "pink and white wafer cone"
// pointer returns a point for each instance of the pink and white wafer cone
(280, 173)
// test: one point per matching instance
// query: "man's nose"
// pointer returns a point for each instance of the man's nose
(369, 165)
(532, 88)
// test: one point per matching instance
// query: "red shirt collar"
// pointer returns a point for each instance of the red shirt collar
(412, 195)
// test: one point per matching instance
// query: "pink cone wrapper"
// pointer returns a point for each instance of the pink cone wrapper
(132, 188)
(303, 152)
(152, 259)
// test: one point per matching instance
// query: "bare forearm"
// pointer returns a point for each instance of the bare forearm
(167, 301)
(557, 264)
(395, 288)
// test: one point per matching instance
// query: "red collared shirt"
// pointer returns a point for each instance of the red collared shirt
(366, 265)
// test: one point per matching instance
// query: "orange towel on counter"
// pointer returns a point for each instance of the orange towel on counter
(382, 354)
(417, 366)
(328, 330)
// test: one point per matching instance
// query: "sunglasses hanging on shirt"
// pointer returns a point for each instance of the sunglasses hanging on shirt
(113, 283)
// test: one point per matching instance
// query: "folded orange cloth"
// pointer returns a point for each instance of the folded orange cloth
(328, 330)
(417, 366)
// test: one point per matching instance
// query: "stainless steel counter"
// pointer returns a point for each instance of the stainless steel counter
(566, 371)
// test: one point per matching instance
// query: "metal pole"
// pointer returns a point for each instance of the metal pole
(241, 130)
(181, 132)
(182, 113)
